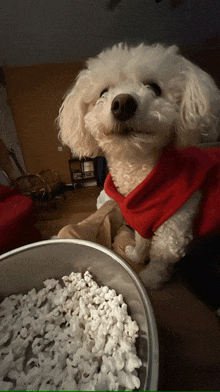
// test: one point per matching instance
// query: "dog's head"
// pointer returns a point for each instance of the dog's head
(142, 96)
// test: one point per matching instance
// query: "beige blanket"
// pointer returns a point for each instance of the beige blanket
(105, 227)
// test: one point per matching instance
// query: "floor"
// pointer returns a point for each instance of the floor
(76, 204)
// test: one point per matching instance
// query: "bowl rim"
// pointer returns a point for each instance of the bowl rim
(153, 369)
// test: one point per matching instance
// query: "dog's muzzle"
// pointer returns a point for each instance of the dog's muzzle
(123, 107)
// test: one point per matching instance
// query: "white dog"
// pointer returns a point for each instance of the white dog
(143, 107)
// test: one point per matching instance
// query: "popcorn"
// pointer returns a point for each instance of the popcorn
(78, 336)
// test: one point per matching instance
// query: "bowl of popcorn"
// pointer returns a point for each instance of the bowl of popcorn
(74, 316)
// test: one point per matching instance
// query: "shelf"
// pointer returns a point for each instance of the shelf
(82, 171)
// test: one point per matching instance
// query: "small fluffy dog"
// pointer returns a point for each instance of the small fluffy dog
(145, 109)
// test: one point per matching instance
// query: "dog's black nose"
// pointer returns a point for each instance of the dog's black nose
(123, 107)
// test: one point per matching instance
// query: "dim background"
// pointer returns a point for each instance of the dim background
(39, 31)
(45, 42)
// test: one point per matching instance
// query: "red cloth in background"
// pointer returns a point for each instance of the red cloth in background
(16, 220)
(175, 177)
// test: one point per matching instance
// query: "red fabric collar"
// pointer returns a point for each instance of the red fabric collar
(175, 177)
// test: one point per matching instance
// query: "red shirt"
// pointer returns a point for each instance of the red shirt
(175, 177)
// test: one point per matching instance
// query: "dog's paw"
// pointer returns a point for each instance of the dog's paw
(151, 279)
(132, 253)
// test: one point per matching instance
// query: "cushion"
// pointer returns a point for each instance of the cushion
(16, 220)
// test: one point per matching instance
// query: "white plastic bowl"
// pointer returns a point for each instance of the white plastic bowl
(28, 266)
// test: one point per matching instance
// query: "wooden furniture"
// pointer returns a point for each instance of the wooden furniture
(82, 171)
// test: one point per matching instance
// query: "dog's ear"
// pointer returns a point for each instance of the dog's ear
(199, 108)
(71, 124)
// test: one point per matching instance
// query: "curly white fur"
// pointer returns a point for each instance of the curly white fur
(176, 102)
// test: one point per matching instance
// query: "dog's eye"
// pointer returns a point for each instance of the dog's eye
(156, 89)
(103, 92)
